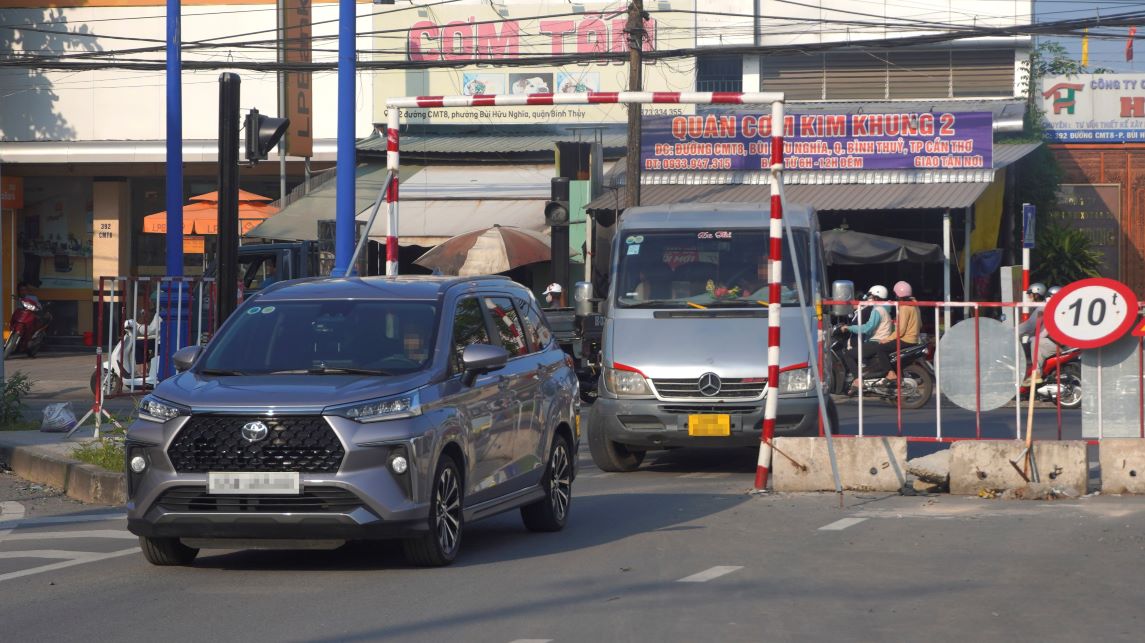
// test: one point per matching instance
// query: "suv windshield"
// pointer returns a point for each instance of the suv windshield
(703, 268)
(325, 337)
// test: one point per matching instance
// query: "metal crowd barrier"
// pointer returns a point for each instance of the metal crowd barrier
(947, 414)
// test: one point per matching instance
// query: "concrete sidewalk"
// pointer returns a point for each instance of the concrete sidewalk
(46, 458)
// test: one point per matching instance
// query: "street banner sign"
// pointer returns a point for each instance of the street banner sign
(922, 140)
(1029, 212)
(1091, 313)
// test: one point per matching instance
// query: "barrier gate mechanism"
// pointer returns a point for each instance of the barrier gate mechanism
(775, 249)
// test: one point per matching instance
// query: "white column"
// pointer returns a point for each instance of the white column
(751, 73)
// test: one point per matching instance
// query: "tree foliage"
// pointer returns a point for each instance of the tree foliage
(1062, 255)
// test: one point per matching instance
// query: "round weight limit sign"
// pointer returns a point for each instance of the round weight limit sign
(1091, 313)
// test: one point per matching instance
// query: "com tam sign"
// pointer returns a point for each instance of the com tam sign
(944, 141)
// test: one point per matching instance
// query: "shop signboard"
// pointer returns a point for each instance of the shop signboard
(299, 99)
(1094, 108)
(11, 192)
(470, 38)
(925, 141)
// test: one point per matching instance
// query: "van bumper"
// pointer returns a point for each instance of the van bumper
(654, 424)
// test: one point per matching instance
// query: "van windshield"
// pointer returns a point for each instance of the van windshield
(704, 268)
(325, 337)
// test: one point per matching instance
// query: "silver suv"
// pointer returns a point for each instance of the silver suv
(345, 409)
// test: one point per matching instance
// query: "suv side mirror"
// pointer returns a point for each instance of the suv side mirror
(478, 359)
(185, 357)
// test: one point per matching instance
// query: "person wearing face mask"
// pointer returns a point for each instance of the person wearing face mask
(554, 295)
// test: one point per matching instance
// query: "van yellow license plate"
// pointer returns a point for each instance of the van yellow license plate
(710, 425)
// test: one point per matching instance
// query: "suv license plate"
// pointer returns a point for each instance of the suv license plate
(710, 425)
(276, 482)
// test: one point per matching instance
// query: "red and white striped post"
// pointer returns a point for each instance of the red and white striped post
(392, 163)
(774, 295)
(1025, 281)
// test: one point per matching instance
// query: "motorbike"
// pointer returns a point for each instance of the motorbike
(1050, 386)
(28, 327)
(917, 376)
(120, 370)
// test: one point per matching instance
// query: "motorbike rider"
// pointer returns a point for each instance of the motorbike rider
(23, 292)
(1047, 348)
(907, 326)
(878, 329)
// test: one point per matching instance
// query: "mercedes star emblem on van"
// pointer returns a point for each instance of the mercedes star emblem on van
(710, 384)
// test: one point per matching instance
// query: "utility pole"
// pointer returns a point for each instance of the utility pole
(228, 250)
(635, 31)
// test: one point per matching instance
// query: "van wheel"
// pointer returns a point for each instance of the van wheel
(439, 546)
(167, 551)
(552, 512)
(612, 456)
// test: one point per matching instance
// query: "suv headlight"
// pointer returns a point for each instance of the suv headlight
(387, 408)
(154, 409)
(626, 382)
(796, 380)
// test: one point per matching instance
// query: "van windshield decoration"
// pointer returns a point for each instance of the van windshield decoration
(705, 269)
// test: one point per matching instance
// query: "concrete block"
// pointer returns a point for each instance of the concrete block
(865, 464)
(985, 465)
(83, 482)
(1122, 465)
(933, 468)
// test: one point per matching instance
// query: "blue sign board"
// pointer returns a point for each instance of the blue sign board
(1028, 214)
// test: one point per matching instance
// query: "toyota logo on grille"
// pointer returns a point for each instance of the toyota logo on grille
(710, 384)
(254, 431)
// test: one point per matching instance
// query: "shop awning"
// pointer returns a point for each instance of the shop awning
(437, 202)
(910, 196)
(852, 248)
(824, 190)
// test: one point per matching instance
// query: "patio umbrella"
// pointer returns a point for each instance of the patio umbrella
(201, 215)
(487, 251)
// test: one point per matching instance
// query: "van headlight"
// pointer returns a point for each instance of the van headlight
(387, 408)
(796, 380)
(626, 382)
(154, 409)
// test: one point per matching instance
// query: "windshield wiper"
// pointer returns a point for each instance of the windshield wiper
(332, 370)
(656, 303)
(219, 371)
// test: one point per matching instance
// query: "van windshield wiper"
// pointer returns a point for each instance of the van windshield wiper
(656, 303)
(219, 371)
(332, 370)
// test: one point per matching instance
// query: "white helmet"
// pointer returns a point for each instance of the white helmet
(879, 292)
(1053, 291)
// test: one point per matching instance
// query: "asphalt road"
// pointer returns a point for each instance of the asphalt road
(677, 551)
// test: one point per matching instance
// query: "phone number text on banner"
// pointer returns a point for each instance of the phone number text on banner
(943, 141)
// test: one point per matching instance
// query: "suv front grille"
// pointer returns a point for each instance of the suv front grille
(305, 444)
(312, 500)
(729, 388)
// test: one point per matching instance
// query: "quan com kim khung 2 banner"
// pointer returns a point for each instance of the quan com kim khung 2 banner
(481, 34)
(926, 141)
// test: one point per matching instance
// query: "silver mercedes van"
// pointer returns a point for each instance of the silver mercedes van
(684, 353)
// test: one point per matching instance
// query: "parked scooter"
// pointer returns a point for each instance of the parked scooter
(1049, 387)
(28, 327)
(120, 370)
(917, 377)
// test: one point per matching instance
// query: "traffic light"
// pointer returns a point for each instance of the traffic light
(557, 208)
(262, 134)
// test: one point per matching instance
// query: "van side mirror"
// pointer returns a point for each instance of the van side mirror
(842, 290)
(478, 359)
(185, 357)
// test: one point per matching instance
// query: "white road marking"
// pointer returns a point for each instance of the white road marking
(10, 510)
(90, 533)
(840, 525)
(60, 520)
(709, 574)
(602, 474)
(532, 641)
(76, 558)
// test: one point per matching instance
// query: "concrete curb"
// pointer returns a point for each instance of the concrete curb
(80, 481)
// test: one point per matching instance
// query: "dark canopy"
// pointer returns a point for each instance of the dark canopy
(850, 248)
